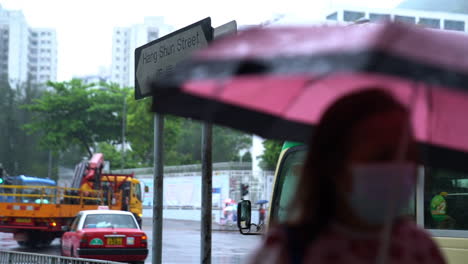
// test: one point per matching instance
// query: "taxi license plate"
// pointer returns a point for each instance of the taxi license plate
(114, 241)
(23, 220)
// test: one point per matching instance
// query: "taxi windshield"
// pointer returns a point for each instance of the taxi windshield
(109, 221)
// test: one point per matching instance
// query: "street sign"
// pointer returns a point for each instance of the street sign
(159, 57)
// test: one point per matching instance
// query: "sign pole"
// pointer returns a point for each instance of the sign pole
(207, 192)
(153, 61)
(158, 180)
(207, 168)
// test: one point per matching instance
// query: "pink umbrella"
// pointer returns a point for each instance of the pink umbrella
(229, 201)
(276, 82)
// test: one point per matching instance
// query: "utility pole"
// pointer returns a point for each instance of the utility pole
(124, 119)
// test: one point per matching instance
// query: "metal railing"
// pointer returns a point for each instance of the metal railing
(47, 194)
(13, 257)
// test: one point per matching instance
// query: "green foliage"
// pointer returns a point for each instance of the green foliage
(114, 156)
(19, 153)
(270, 156)
(74, 113)
(247, 157)
(182, 138)
(75, 119)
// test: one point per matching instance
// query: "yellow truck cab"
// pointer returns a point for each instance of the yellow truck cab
(439, 203)
(131, 198)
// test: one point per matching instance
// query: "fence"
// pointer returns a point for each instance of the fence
(12, 257)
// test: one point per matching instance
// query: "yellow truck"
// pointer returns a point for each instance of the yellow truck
(36, 211)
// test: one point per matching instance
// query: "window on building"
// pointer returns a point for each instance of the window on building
(352, 15)
(405, 19)
(379, 17)
(117, 58)
(117, 67)
(117, 40)
(454, 25)
(118, 32)
(429, 22)
(333, 16)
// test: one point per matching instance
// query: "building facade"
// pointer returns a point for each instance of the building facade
(124, 42)
(26, 54)
(430, 19)
(43, 55)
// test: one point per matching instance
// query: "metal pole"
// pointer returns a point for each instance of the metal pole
(207, 192)
(124, 117)
(158, 189)
(207, 168)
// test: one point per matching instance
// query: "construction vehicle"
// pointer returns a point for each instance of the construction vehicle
(37, 214)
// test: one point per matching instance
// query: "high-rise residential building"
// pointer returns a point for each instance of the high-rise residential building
(26, 54)
(14, 46)
(430, 19)
(124, 42)
(43, 55)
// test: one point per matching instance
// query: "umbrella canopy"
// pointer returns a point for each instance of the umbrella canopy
(261, 202)
(229, 201)
(276, 82)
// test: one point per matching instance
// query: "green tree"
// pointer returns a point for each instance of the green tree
(270, 156)
(20, 153)
(114, 156)
(74, 113)
(140, 133)
(182, 137)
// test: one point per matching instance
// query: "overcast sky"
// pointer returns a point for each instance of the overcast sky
(84, 27)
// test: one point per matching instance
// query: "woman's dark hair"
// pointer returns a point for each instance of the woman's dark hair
(330, 144)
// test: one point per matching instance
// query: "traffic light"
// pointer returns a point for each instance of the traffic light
(1, 175)
(244, 189)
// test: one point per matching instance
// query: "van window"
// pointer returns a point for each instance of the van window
(445, 200)
(287, 178)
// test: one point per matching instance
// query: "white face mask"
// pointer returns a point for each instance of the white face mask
(381, 190)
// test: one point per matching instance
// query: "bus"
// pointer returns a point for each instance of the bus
(451, 234)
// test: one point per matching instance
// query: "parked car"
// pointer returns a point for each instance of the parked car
(106, 235)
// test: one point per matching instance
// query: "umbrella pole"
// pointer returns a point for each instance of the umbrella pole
(158, 189)
(207, 191)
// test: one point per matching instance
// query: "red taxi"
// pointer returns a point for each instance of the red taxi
(106, 235)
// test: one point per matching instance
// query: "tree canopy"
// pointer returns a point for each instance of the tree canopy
(20, 153)
(77, 113)
(270, 156)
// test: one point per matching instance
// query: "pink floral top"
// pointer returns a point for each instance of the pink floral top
(409, 244)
